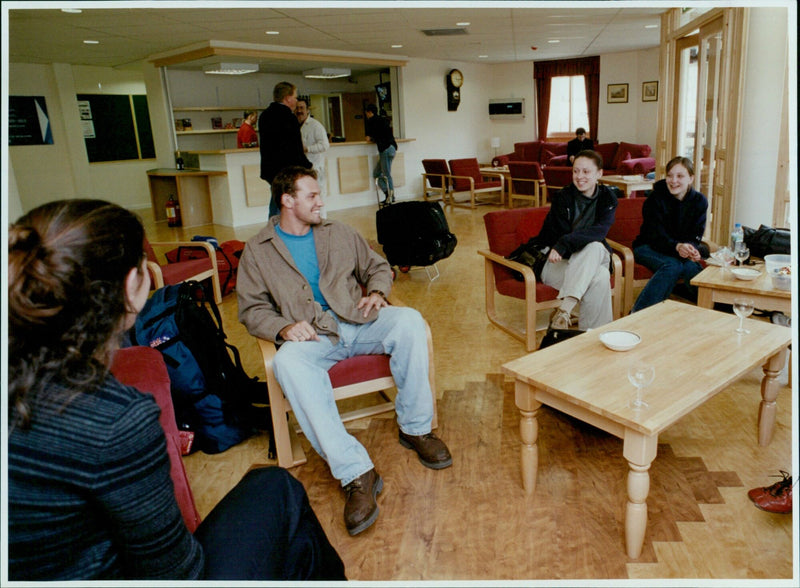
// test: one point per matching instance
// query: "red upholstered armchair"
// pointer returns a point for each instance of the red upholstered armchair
(144, 369)
(527, 183)
(182, 271)
(355, 376)
(466, 176)
(506, 230)
(437, 176)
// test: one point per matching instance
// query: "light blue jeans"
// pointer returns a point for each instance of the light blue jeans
(384, 168)
(301, 369)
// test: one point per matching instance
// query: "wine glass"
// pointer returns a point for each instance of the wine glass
(741, 253)
(640, 375)
(743, 307)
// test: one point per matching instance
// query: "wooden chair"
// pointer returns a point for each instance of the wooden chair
(182, 271)
(527, 183)
(467, 177)
(355, 376)
(437, 176)
(505, 230)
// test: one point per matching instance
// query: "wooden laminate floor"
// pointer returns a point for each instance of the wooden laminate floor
(472, 521)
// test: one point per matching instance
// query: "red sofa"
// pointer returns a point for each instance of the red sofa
(618, 159)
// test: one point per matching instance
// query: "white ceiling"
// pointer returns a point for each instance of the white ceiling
(129, 32)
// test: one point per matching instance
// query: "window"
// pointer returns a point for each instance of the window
(568, 106)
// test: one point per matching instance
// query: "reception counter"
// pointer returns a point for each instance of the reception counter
(240, 197)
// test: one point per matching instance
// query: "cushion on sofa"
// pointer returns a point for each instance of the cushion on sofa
(635, 150)
(607, 151)
(528, 150)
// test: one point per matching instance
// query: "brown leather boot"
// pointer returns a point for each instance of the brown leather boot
(432, 451)
(361, 507)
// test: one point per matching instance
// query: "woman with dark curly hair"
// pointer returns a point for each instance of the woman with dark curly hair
(90, 494)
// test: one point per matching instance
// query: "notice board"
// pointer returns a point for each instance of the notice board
(28, 121)
(116, 127)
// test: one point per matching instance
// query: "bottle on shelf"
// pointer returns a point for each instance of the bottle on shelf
(173, 209)
(178, 160)
(737, 235)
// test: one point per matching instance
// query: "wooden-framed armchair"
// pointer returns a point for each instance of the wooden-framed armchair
(436, 179)
(355, 376)
(182, 271)
(526, 183)
(467, 176)
(506, 230)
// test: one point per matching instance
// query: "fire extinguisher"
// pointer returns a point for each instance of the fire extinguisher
(173, 212)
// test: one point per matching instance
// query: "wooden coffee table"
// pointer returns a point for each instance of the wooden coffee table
(696, 353)
(627, 186)
(714, 284)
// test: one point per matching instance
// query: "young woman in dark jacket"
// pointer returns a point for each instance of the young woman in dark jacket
(670, 240)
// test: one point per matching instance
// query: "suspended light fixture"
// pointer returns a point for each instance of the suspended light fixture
(327, 73)
(231, 69)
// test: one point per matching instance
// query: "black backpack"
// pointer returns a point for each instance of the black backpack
(213, 395)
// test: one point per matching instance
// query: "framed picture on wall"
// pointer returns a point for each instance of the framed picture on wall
(617, 93)
(649, 91)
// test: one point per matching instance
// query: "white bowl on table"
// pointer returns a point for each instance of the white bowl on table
(745, 273)
(620, 340)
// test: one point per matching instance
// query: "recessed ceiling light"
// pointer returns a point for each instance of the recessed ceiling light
(91, 42)
(554, 41)
(396, 46)
(272, 33)
(231, 69)
(327, 73)
(483, 56)
(72, 10)
(462, 24)
(653, 26)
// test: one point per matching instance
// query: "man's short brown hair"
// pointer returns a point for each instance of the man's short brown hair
(285, 182)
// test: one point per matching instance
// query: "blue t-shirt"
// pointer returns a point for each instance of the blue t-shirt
(304, 254)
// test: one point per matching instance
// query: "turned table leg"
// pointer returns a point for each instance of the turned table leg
(640, 451)
(529, 431)
(769, 393)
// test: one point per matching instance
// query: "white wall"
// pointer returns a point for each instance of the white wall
(633, 121)
(43, 172)
(762, 101)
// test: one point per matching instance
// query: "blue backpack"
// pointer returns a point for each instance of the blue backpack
(213, 395)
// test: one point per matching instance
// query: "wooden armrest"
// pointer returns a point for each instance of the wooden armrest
(470, 178)
(527, 273)
(501, 177)
(625, 252)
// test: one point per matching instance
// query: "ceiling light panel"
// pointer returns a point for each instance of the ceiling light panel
(231, 69)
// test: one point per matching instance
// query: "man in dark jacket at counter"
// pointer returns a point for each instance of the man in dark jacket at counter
(281, 142)
(578, 261)
(379, 131)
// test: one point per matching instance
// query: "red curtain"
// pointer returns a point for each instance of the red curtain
(544, 71)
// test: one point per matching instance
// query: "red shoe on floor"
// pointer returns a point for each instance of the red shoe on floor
(776, 498)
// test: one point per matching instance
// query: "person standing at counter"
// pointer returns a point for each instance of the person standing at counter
(315, 143)
(281, 143)
(247, 135)
(379, 131)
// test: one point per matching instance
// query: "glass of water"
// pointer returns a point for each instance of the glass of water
(640, 375)
(743, 307)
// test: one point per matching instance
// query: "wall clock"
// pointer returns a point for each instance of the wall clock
(454, 81)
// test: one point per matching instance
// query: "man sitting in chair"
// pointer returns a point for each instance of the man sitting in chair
(300, 284)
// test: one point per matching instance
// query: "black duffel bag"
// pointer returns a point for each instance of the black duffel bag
(766, 241)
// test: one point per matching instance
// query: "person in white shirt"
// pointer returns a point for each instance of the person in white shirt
(315, 143)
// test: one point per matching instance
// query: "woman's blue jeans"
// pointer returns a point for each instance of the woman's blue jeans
(301, 369)
(668, 270)
(383, 170)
